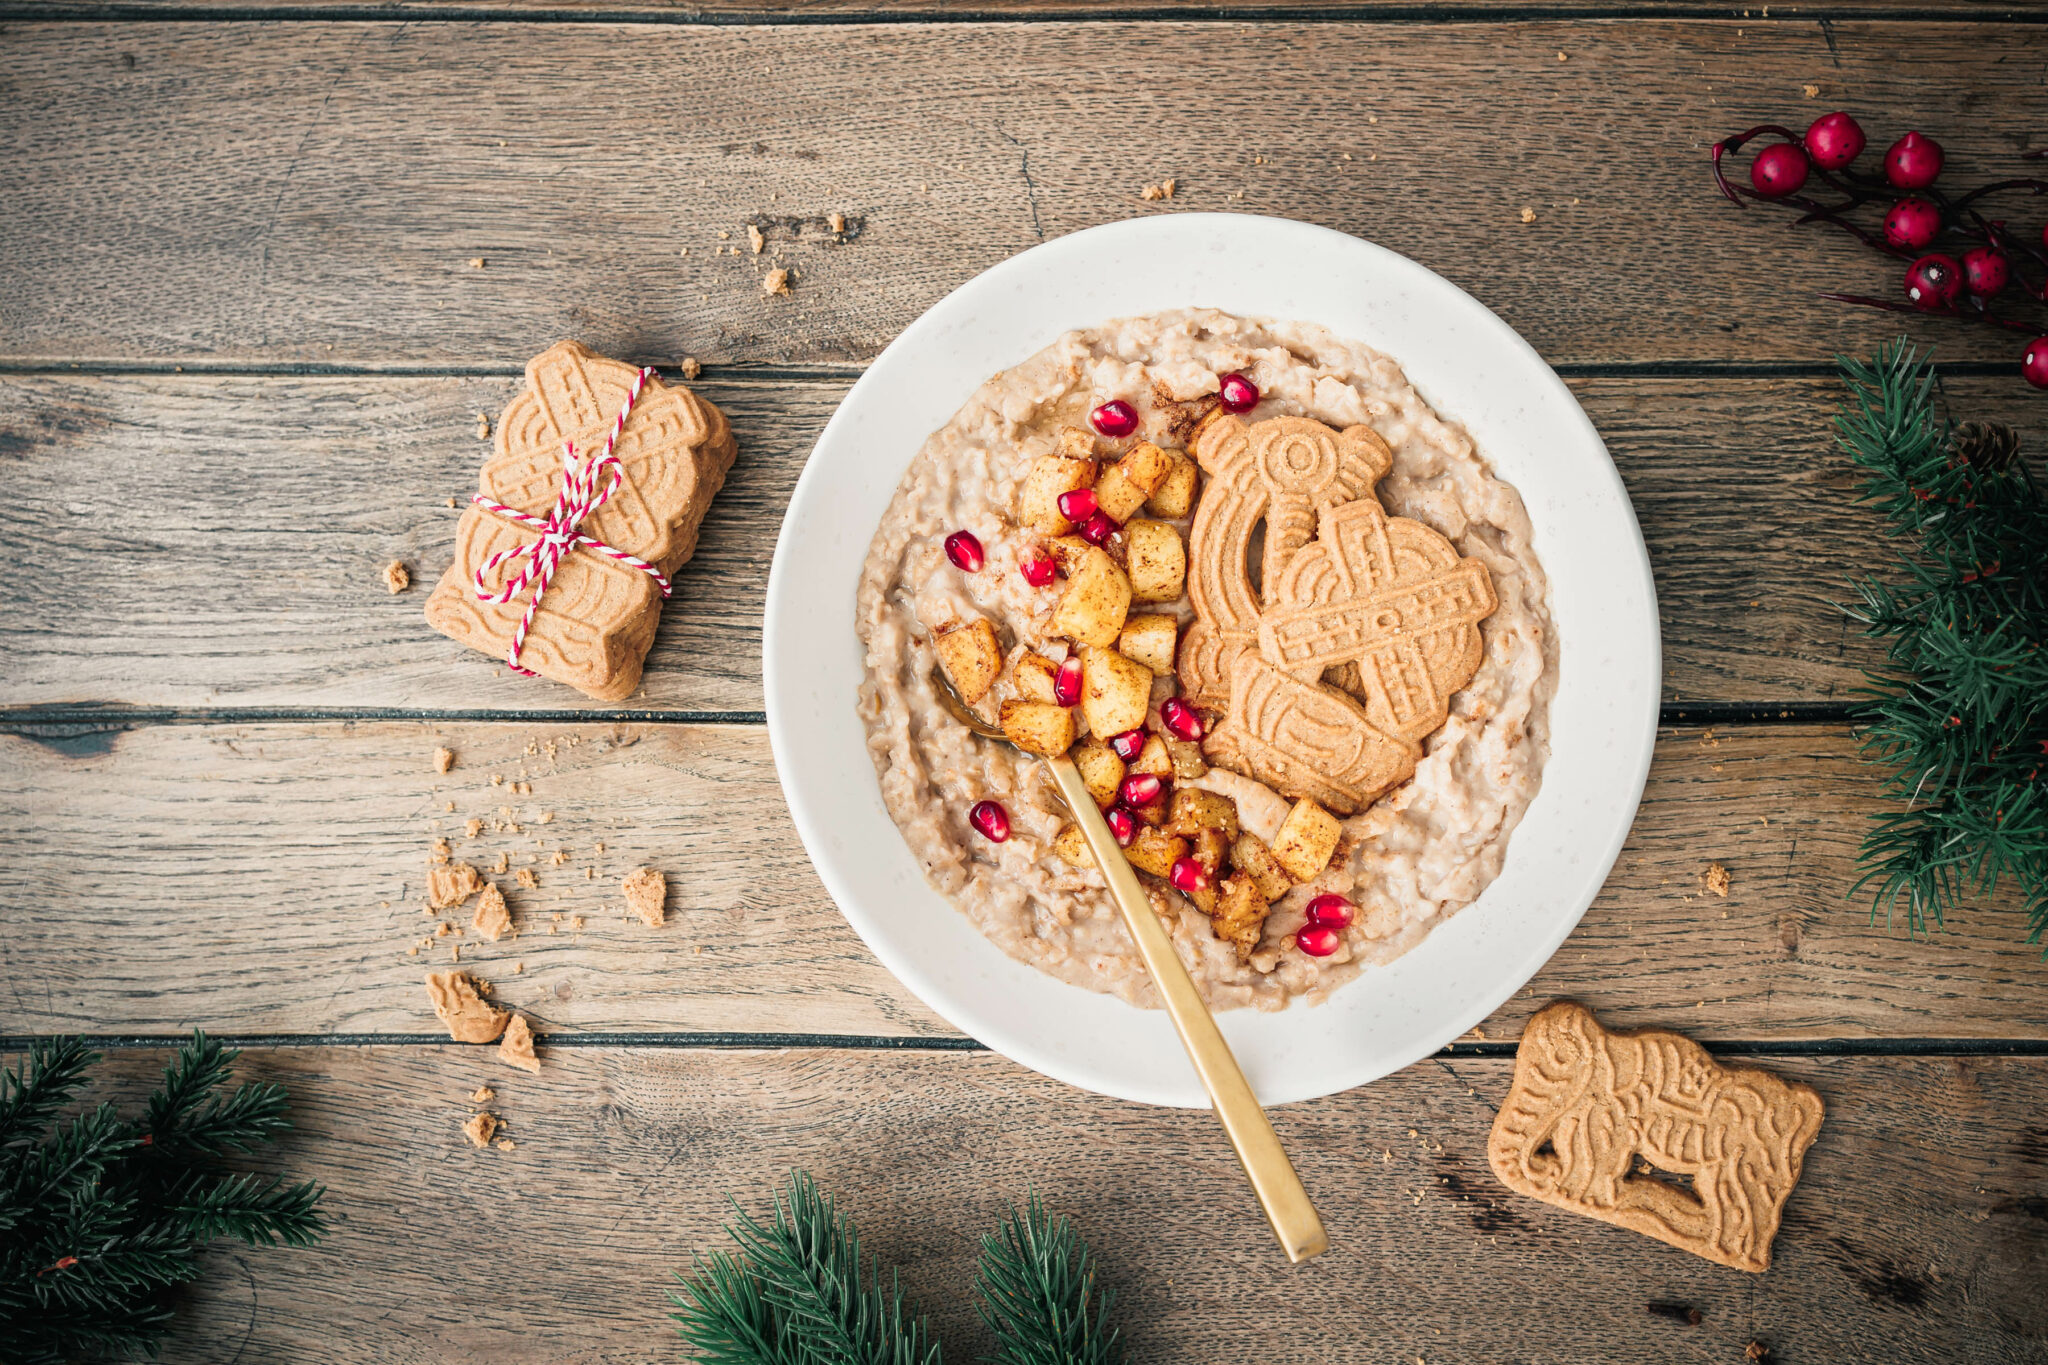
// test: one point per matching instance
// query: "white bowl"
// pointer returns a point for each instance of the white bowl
(1473, 369)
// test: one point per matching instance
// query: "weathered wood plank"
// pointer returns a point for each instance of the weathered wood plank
(267, 879)
(854, 11)
(1915, 1234)
(229, 190)
(179, 549)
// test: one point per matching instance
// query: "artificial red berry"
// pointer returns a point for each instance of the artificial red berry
(1180, 718)
(1077, 504)
(1933, 282)
(965, 551)
(1317, 940)
(1237, 393)
(1128, 745)
(1099, 527)
(1913, 162)
(1038, 569)
(1141, 789)
(1912, 225)
(1985, 271)
(1123, 825)
(1779, 169)
(1066, 682)
(1189, 876)
(1834, 141)
(1115, 418)
(1331, 911)
(990, 820)
(2034, 365)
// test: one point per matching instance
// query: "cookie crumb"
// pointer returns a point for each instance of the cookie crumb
(452, 884)
(1812, 90)
(527, 881)
(444, 759)
(1528, 214)
(492, 920)
(646, 895)
(777, 282)
(1757, 1353)
(397, 578)
(754, 238)
(1560, 56)
(575, 921)
(504, 1144)
(458, 1005)
(1163, 190)
(437, 852)
(483, 427)
(836, 221)
(1717, 880)
(476, 263)
(472, 827)
(481, 1128)
(516, 1047)
(690, 368)
(518, 968)
(449, 503)
(483, 1094)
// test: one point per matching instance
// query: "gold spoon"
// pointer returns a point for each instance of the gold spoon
(1286, 1204)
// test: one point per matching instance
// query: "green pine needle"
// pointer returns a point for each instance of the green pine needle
(1960, 712)
(1039, 1295)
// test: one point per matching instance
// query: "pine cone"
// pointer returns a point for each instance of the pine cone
(1990, 446)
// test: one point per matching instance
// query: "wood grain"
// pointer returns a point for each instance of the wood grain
(933, 11)
(205, 541)
(271, 192)
(267, 878)
(1915, 1234)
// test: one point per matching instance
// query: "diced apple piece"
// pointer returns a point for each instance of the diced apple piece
(1038, 727)
(1034, 676)
(1240, 920)
(1102, 772)
(1071, 847)
(1153, 758)
(1115, 691)
(1077, 443)
(1098, 598)
(1152, 814)
(1125, 485)
(1205, 898)
(1150, 639)
(1038, 501)
(1208, 848)
(1307, 838)
(1155, 852)
(971, 657)
(1195, 810)
(1175, 497)
(1068, 552)
(1250, 856)
(1187, 758)
(1157, 559)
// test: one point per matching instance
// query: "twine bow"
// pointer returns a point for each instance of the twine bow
(577, 498)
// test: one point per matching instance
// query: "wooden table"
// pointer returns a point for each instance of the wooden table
(261, 265)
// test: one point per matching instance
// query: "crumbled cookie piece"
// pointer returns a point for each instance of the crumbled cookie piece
(481, 1128)
(437, 852)
(527, 881)
(470, 1019)
(516, 1046)
(450, 884)
(492, 920)
(397, 578)
(836, 221)
(472, 828)
(776, 281)
(1528, 214)
(754, 238)
(691, 367)
(647, 895)
(483, 1094)
(483, 427)
(476, 263)
(1163, 190)
(444, 759)
(504, 1144)
(1717, 880)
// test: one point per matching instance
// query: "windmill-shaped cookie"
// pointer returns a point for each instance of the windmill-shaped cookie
(596, 618)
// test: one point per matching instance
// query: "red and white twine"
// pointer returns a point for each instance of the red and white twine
(577, 499)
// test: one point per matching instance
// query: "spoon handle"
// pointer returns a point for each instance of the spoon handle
(1286, 1204)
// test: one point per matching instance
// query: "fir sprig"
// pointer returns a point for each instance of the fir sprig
(798, 1292)
(1960, 712)
(101, 1216)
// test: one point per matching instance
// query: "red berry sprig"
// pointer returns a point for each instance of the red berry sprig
(1919, 218)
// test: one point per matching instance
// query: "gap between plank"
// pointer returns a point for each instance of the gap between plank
(777, 18)
(66, 721)
(1815, 1047)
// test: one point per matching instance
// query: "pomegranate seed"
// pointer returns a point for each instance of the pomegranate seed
(1331, 911)
(1128, 745)
(2034, 363)
(1834, 140)
(1238, 393)
(1317, 940)
(1077, 504)
(1913, 162)
(1098, 529)
(1066, 683)
(1037, 569)
(1115, 418)
(1185, 722)
(1140, 789)
(990, 820)
(965, 551)
(1778, 170)
(1122, 824)
(1189, 876)
(1985, 271)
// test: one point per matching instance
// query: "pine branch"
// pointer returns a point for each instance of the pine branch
(1960, 715)
(249, 1209)
(1039, 1296)
(29, 1100)
(726, 1320)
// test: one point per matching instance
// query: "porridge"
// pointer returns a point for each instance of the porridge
(1291, 628)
